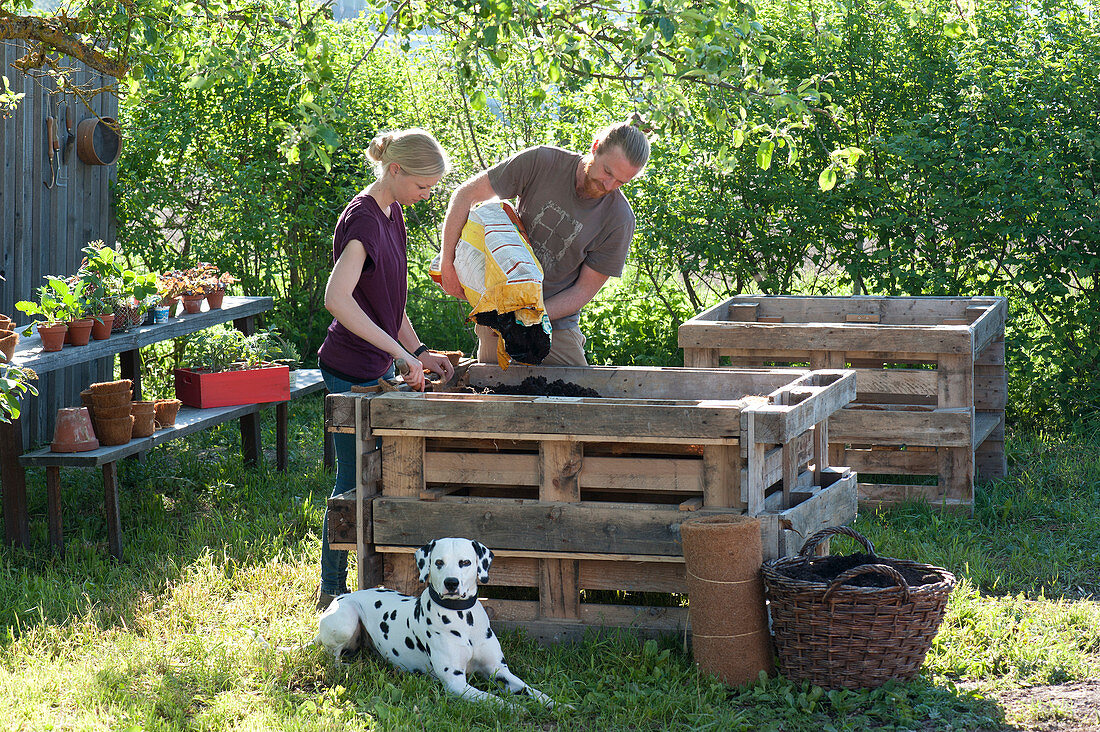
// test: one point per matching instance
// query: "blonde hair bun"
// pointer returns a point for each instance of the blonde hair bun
(415, 150)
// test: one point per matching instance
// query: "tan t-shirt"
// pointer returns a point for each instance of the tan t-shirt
(565, 230)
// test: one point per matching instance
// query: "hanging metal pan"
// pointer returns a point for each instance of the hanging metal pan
(98, 141)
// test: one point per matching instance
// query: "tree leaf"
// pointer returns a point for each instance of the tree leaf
(827, 180)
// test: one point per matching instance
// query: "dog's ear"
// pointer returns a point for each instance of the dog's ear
(484, 560)
(422, 555)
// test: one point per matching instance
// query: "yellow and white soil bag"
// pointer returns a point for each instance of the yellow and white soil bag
(497, 267)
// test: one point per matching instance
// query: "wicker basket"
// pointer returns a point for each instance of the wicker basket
(840, 636)
(127, 317)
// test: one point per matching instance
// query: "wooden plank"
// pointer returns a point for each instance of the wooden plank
(898, 310)
(990, 325)
(938, 428)
(560, 463)
(861, 318)
(908, 382)
(646, 559)
(465, 414)
(721, 477)
(701, 358)
(752, 482)
(608, 473)
(887, 494)
(984, 425)
(646, 382)
(832, 506)
(533, 525)
(950, 339)
(670, 619)
(403, 468)
(899, 462)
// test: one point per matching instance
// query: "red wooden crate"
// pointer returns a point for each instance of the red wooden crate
(227, 388)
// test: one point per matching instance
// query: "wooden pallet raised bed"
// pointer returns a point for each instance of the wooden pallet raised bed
(581, 498)
(930, 374)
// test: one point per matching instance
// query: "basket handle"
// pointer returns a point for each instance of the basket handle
(811, 544)
(882, 569)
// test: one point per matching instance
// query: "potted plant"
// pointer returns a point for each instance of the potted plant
(102, 278)
(51, 317)
(232, 368)
(70, 293)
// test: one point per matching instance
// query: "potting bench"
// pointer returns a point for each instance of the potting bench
(188, 421)
(241, 311)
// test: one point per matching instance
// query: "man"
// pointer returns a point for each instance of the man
(579, 224)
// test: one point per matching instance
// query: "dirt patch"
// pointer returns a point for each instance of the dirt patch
(1059, 708)
(539, 386)
(826, 569)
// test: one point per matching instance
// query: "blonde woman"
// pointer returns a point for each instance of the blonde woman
(366, 295)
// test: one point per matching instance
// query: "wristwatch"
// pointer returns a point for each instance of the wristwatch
(419, 350)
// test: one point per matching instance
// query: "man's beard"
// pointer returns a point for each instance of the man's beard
(590, 187)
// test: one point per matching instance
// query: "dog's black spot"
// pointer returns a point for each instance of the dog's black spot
(489, 633)
(406, 599)
(457, 672)
(377, 604)
(419, 645)
(446, 620)
(469, 642)
(446, 669)
(428, 620)
(456, 634)
(428, 650)
(384, 627)
(428, 606)
(420, 563)
(409, 643)
(470, 619)
(479, 550)
(416, 610)
(522, 691)
(395, 652)
(428, 633)
(459, 614)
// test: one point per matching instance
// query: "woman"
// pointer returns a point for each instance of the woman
(366, 296)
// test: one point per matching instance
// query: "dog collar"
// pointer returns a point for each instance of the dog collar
(451, 604)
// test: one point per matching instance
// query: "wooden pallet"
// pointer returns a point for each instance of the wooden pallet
(581, 498)
(930, 374)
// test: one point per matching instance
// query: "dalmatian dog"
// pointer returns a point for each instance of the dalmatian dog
(444, 631)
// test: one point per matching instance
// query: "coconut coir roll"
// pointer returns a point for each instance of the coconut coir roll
(729, 622)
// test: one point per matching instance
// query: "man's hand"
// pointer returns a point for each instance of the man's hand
(450, 281)
(412, 371)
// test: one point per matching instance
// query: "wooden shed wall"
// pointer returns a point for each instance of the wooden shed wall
(43, 230)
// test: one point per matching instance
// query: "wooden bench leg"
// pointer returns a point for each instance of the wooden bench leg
(129, 365)
(53, 508)
(110, 499)
(14, 481)
(281, 460)
(250, 439)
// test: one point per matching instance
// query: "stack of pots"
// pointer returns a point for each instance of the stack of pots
(143, 418)
(8, 338)
(111, 411)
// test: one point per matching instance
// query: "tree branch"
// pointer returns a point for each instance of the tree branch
(59, 35)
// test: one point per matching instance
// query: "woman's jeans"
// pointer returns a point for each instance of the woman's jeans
(334, 563)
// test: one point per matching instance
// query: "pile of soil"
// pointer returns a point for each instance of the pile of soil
(539, 386)
(827, 569)
(528, 344)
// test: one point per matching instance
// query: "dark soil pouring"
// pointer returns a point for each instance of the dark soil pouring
(539, 386)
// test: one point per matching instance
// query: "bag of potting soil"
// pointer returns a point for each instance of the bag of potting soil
(502, 280)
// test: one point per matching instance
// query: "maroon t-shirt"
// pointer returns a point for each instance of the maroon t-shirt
(381, 291)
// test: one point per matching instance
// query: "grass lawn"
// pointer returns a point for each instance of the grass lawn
(222, 562)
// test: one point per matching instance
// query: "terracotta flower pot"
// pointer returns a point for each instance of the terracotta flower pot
(193, 303)
(53, 336)
(101, 326)
(110, 387)
(165, 411)
(106, 401)
(215, 297)
(8, 341)
(115, 431)
(80, 331)
(453, 356)
(73, 431)
(117, 412)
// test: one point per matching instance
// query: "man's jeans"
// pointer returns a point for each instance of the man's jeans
(334, 563)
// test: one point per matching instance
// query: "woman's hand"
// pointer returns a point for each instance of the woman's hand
(412, 371)
(437, 363)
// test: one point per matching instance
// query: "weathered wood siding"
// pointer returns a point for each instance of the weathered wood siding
(43, 230)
